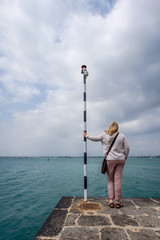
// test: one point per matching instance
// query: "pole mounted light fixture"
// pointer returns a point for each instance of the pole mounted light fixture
(84, 70)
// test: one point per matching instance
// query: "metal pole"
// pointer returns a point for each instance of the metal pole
(85, 74)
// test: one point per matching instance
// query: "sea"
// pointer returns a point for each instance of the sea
(30, 187)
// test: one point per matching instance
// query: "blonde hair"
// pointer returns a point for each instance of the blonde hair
(113, 127)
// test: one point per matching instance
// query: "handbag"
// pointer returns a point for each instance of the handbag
(104, 162)
(104, 166)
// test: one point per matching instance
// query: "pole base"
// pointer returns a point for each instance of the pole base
(89, 206)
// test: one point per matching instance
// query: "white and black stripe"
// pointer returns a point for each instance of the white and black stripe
(85, 74)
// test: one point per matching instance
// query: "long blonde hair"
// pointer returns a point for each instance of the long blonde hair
(113, 127)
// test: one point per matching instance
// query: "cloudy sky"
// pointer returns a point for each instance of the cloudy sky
(43, 44)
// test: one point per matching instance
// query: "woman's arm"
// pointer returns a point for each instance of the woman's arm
(94, 138)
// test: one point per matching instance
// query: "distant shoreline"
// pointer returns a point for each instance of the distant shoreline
(72, 156)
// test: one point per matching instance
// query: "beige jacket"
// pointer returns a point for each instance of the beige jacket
(120, 148)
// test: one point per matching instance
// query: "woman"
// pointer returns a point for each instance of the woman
(115, 160)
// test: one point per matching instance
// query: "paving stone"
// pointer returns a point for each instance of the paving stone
(128, 207)
(124, 220)
(64, 203)
(157, 200)
(113, 234)
(145, 202)
(148, 221)
(71, 219)
(143, 235)
(127, 202)
(129, 210)
(107, 210)
(79, 233)
(150, 211)
(54, 224)
(93, 221)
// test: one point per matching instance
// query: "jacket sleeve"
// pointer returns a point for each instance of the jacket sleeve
(126, 148)
(95, 138)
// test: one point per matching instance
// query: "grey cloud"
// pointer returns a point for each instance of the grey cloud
(44, 47)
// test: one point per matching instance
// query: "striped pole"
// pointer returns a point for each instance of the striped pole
(85, 74)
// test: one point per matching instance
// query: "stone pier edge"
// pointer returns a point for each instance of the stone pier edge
(140, 217)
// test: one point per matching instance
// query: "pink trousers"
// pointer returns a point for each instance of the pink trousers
(114, 176)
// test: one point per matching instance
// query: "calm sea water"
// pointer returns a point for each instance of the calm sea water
(31, 187)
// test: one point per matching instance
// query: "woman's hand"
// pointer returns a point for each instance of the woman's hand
(84, 134)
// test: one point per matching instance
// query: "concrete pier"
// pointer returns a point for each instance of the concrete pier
(138, 219)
